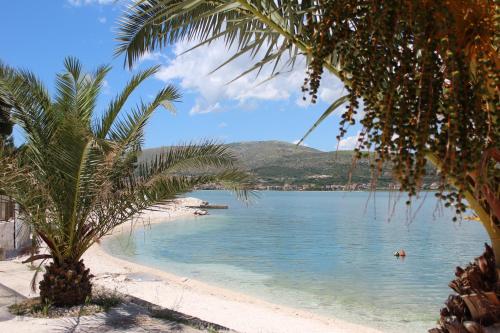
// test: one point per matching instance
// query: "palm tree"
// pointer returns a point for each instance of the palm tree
(80, 173)
(276, 33)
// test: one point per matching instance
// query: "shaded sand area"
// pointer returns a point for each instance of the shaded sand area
(230, 309)
(129, 317)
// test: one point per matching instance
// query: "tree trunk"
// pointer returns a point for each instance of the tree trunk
(476, 305)
(66, 284)
(495, 244)
(489, 224)
(486, 206)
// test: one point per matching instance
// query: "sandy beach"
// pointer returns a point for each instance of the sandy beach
(237, 311)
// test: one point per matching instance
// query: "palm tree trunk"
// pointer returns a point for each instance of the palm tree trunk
(66, 284)
(492, 229)
(486, 210)
(487, 221)
(495, 244)
(494, 233)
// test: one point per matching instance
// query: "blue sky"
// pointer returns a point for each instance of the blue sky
(38, 35)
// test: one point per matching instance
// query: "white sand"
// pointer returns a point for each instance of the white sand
(240, 312)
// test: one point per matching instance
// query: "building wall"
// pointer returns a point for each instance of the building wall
(7, 208)
(6, 235)
(14, 234)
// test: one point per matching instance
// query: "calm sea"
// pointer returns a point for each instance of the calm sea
(326, 252)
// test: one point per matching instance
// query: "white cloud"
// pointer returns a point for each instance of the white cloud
(302, 144)
(349, 142)
(193, 70)
(102, 19)
(299, 101)
(222, 125)
(106, 88)
(329, 92)
(78, 3)
(201, 108)
(152, 56)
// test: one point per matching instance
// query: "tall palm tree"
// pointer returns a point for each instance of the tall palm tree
(80, 174)
(274, 30)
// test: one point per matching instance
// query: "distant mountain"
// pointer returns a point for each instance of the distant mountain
(279, 163)
(282, 162)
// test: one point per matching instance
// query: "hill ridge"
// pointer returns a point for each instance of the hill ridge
(277, 164)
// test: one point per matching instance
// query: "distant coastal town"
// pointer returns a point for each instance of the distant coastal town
(319, 187)
(283, 166)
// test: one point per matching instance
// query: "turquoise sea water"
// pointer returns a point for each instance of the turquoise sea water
(326, 252)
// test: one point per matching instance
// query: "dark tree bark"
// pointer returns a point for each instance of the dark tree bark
(66, 284)
(476, 306)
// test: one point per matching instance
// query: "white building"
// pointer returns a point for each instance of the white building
(15, 235)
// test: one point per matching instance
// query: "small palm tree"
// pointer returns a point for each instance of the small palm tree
(80, 173)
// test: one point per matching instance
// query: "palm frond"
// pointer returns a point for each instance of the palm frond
(76, 92)
(102, 127)
(334, 106)
(128, 131)
(151, 25)
(88, 91)
(193, 157)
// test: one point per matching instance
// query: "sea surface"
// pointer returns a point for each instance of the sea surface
(330, 253)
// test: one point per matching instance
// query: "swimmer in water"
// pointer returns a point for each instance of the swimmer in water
(400, 253)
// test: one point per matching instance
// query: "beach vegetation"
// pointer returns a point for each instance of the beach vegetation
(106, 299)
(100, 301)
(79, 175)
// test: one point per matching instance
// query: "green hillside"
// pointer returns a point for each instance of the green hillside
(276, 163)
(281, 162)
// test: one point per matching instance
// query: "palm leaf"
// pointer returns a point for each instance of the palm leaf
(187, 157)
(150, 25)
(334, 106)
(101, 129)
(128, 131)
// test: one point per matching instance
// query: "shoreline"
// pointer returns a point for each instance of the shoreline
(238, 311)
